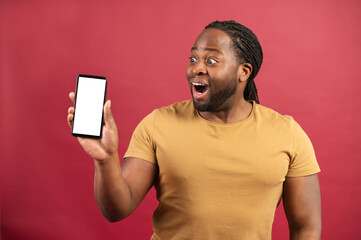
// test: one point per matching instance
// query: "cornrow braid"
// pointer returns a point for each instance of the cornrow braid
(247, 49)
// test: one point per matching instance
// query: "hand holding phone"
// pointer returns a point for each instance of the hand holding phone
(102, 148)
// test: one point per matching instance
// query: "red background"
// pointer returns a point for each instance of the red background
(310, 71)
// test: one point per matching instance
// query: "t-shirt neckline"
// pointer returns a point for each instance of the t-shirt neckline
(228, 124)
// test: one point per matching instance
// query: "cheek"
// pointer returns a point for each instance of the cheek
(221, 79)
(188, 72)
(227, 74)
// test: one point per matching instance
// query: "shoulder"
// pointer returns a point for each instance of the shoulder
(178, 107)
(266, 114)
(178, 110)
(174, 113)
(282, 124)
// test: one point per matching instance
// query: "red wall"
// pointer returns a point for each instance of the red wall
(311, 71)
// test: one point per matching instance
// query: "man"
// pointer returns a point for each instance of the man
(221, 162)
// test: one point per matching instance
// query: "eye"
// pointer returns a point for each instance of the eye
(192, 59)
(211, 61)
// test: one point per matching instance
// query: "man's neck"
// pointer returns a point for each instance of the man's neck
(238, 112)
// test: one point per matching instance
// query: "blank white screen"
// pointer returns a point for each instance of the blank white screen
(89, 106)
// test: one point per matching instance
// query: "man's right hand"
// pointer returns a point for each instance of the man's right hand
(118, 190)
(106, 147)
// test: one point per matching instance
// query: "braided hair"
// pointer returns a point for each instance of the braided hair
(247, 49)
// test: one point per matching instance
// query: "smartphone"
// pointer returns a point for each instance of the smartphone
(89, 101)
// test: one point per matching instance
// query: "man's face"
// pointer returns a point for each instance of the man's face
(212, 71)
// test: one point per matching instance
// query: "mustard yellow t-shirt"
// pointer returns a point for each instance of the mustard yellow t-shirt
(220, 181)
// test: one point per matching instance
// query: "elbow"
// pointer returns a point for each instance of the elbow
(113, 220)
(312, 231)
(113, 213)
(115, 216)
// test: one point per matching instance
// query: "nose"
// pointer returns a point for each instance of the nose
(199, 69)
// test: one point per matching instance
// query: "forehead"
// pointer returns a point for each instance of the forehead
(213, 38)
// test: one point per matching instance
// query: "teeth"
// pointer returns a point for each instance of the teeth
(198, 84)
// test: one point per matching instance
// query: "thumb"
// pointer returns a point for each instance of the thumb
(108, 115)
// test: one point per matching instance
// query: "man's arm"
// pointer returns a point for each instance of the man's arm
(118, 189)
(302, 204)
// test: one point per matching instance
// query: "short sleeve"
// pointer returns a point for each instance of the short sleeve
(303, 159)
(141, 144)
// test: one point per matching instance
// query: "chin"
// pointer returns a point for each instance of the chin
(205, 107)
(200, 107)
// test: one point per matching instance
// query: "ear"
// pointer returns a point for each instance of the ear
(244, 71)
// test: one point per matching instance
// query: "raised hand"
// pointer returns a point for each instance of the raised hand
(106, 147)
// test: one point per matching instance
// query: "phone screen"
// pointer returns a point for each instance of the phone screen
(89, 101)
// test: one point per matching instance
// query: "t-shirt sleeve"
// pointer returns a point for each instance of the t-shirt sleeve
(303, 159)
(141, 144)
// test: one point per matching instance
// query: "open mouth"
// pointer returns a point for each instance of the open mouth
(200, 88)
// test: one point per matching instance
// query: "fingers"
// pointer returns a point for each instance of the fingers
(72, 96)
(70, 116)
(108, 115)
(71, 110)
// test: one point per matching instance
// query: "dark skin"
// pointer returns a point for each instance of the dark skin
(302, 205)
(213, 63)
(119, 189)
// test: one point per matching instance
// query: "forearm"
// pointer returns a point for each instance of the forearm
(111, 191)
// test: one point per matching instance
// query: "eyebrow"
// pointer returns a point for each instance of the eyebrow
(208, 49)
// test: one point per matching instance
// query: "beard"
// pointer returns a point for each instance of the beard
(216, 100)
